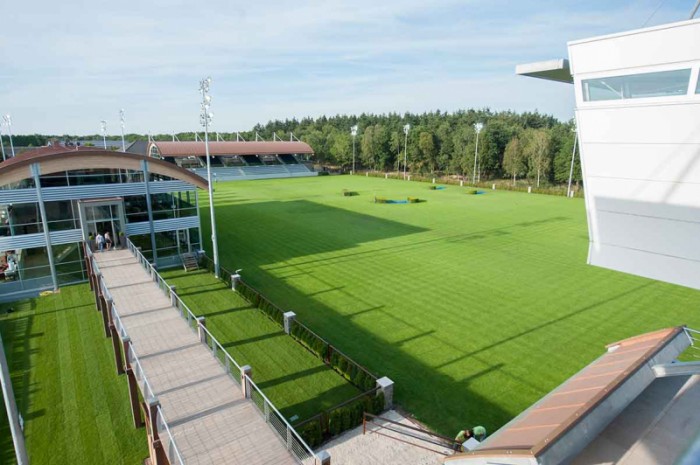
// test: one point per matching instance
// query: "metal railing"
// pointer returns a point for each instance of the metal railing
(288, 435)
(172, 452)
(694, 336)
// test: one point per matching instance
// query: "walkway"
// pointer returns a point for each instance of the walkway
(211, 421)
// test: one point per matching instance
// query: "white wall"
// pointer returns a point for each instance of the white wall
(641, 157)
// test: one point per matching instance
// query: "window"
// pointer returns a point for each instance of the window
(657, 84)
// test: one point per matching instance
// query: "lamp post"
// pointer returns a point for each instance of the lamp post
(121, 122)
(353, 131)
(406, 128)
(8, 123)
(2, 144)
(573, 154)
(205, 119)
(477, 127)
(103, 125)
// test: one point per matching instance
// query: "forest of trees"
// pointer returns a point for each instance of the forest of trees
(511, 145)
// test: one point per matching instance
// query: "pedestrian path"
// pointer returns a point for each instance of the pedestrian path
(209, 418)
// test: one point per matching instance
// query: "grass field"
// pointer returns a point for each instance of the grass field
(475, 305)
(296, 382)
(76, 409)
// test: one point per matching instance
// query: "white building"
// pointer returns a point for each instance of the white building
(638, 120)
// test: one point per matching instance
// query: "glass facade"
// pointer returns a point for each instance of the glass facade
(28, 268)
(644, 85)
(20, 218)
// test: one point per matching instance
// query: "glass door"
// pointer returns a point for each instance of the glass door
(105, 218)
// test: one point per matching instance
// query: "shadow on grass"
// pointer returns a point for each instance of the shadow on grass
(252, 340)
(16, 330)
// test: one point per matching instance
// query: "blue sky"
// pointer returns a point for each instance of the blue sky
(68, 64)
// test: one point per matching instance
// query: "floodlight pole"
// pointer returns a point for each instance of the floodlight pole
(121, 120)
(353, 131)
(406, 128)
(103, 125)
(571, 170)
(2, 144)
(205, 119)
(8, 122)
(477, 127)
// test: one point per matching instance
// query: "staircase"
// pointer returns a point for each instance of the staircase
(189, 262)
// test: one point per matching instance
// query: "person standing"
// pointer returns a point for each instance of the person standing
(100, 239)
(108, 240)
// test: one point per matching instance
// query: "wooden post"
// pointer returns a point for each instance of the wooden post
(133, 387)
(117, 349)
(106, 309)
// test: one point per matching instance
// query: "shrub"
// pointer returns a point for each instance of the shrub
(323, 173)
(415, 200)
(311, 434)
(380, 200)
(348, 193)
(335, 426)
(471, 191)
(378, 403)
(433, 187)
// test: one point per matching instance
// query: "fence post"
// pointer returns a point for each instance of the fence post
(529, 189)
(493, 187)
(201, 324)
(461, 183)
(246, 373)
(325, 457)
(173, 296)
(386, 175)
(289, 317)
(433, 180)
(387, 387)
(235, 279)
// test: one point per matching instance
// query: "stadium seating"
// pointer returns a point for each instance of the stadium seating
(239, 173)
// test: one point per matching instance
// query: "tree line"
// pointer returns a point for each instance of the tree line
(510, 145)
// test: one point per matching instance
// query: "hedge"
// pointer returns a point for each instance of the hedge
(471, 191)
(348, 193)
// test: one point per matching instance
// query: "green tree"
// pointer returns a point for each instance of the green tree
(513, 160)
(537, 151)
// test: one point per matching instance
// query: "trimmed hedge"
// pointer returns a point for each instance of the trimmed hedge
(415, 200)
(315, 344)
(348, 193)
(471, 191)
(311, 433)
(380, 199)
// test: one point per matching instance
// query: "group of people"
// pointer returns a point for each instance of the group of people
(477, 432)
(103, 242)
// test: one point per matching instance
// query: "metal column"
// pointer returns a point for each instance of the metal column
(144, 168)
(45, 225)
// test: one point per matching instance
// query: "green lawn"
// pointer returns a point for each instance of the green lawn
(75, 407)
(296, 382)
(475, 305)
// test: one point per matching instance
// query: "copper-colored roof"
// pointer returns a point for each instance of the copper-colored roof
(185, 149)
(539, 427)
(55, 159)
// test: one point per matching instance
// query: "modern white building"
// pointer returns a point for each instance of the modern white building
(638, 120)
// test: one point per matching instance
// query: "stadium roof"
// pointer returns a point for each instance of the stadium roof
(575, 403)
(56, 158)
(187, 149)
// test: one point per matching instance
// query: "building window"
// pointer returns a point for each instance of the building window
(68, 260)
(20, 218)
(62, 215)
(645, 85)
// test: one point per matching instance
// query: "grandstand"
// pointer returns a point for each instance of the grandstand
(238, 160)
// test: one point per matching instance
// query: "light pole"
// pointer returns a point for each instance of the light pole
(573, 154)
(353, 131)
(103, 125)
(205, 119)
(406, 128)
(121, 122)
(8, 122)
(477, 127)
(2, 144)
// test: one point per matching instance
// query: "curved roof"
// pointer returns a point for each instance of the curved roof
(57, 159)
(187, 149)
